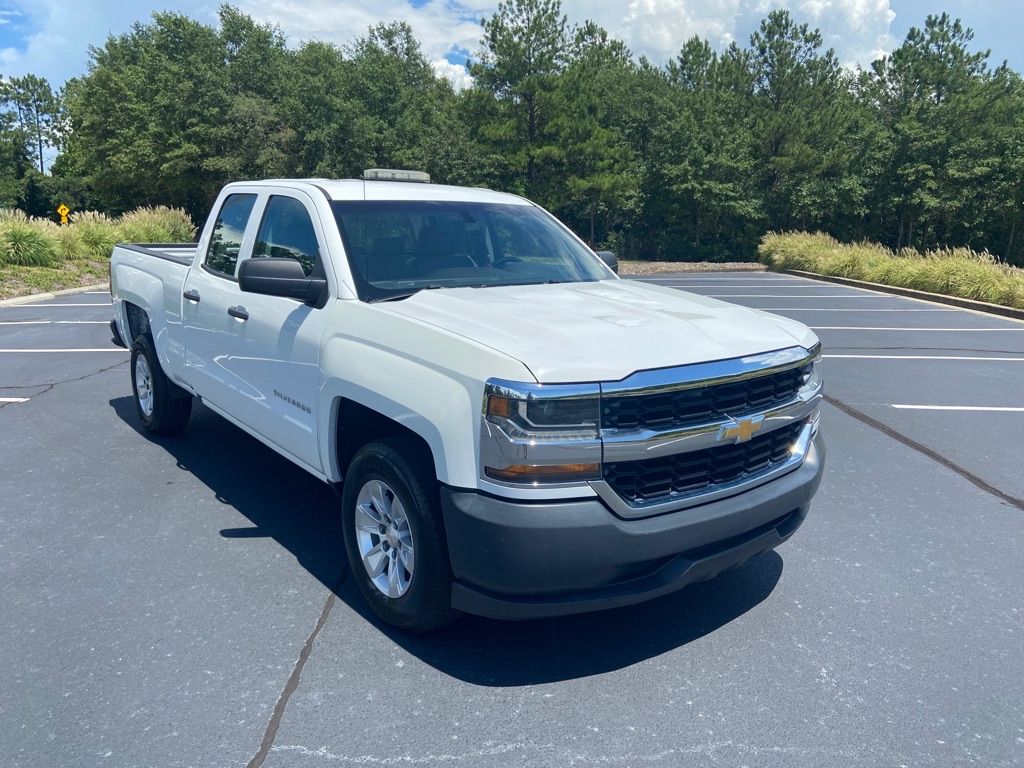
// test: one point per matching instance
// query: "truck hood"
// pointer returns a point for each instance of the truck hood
(601, 331)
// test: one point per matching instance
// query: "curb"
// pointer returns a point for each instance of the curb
(52, 295)
(911, 293)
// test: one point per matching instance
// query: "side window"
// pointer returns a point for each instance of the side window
(287, 230)
(226, 240)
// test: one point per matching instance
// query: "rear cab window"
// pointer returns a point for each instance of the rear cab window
(228, 230)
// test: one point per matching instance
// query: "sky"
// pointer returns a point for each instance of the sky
(51, 38)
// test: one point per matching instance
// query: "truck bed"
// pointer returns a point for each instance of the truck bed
(150, 276)
(180, 253)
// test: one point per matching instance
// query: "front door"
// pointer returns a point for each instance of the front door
(277, 356)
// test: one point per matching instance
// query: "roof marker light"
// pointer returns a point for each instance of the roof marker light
(395, 174)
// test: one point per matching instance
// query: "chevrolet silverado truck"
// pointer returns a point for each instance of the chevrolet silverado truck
(513, 430)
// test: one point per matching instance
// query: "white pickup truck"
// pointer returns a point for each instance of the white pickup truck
(514, 431)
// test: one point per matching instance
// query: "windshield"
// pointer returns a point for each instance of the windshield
(396, 248)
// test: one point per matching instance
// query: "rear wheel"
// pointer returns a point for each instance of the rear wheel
(394, 537)
(161, 409)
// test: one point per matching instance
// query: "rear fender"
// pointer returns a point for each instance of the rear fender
(160, 299)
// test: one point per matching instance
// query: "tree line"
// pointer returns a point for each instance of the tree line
(691, 159)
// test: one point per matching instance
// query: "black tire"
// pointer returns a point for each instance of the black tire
(399, 462)
(170, 407)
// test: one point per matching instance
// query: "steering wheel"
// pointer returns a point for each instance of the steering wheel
(465, 259)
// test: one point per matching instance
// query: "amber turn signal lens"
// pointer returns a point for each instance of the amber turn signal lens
(544, 473)
(499, 406)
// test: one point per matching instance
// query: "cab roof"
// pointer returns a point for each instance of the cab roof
(357, 189)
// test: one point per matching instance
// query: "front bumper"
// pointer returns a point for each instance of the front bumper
(515, 560)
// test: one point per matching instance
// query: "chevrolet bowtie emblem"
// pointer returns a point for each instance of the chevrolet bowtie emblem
(740, 430)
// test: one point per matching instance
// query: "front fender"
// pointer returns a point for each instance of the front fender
(423, 378)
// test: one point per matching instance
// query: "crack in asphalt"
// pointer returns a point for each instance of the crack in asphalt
(293, 679)
(44, 388)
(984, 485)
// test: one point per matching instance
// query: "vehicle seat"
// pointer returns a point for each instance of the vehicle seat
(442, 249)
(389, 260)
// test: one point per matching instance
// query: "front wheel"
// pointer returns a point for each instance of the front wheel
(159, 410)
(394, 537)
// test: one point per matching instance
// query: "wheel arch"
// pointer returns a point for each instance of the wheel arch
(140, 305)
(137, 320)
(356, 424)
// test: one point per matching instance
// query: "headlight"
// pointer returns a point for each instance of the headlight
(544, 418)
(540, 434)
(812, 373)
(811, 385)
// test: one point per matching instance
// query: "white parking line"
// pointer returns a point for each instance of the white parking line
(54, 322)
(1001, 409)
(47, 306)
(904, 328)
(927, 357)
(869, 293)
(29, 351)
(13, 399)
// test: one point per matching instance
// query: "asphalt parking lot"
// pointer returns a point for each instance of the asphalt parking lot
(182, 602)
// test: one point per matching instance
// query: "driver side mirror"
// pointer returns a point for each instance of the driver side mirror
(610, 259)
(280, 276)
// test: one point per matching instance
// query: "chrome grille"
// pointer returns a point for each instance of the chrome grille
(695, 405)
(659, 479)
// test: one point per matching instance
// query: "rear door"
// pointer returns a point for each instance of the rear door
(210, 289)
(276, 360)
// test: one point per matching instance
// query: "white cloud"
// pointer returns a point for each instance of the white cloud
(58, 48)
(457, 73)
(857, 29)
(658, 28)
(437, 26)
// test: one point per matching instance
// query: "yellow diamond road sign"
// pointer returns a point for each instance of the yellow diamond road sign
(63, 210)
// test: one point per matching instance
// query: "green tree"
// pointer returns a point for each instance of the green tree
(150, 117)
(405, 113)
(523, 52)
(704, 156)
(36, 112)
(594, 167)
(952, 123)
(257, 142)
(802, 111)
(15, 159)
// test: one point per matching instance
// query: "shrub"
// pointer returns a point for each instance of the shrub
(33, 242)
(951, 271)
(156, 225)
(97, 233)
(24, 242)
(69, 241)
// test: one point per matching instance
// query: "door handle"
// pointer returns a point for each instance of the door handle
(239, 312)
(192, 295)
